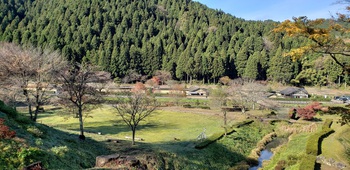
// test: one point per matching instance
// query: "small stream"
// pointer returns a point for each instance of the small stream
(266, 154)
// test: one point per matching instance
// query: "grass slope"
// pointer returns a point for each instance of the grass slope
(337, 145)
(54, 148)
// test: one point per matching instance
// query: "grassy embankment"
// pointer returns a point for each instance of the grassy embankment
(335, 146)
(35, 142)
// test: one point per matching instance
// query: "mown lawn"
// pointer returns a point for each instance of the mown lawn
(162, 126)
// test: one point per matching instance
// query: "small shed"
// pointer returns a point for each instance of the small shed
(294, 92)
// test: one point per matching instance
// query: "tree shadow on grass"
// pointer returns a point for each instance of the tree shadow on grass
(117, 127)
(183, 155)
(63, 150)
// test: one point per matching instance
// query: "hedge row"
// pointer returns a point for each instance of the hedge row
(200, 107)
(313, 145)
(219, 135)
(308, 162)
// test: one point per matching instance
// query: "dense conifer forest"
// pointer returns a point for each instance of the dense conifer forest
(183, 37)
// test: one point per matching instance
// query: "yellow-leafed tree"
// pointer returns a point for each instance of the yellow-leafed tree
(329, 37)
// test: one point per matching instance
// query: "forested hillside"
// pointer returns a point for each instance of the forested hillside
(183, 37)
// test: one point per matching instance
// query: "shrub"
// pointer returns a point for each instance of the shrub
(292, 160)
(281, 165)
(5, 132)
(217, 136)
(308, 162)
(59, 150)
(292, 114)
(315, 140)
(308, 112)
(23, 119)
(312, 146)
(240, 124)
(30, 155)
(8, 110)
(35, 131)
(204, 107)
(39, 142)
(327, 124)
(187, 106)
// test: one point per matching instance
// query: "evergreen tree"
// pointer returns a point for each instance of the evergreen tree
(280, 69)
(251, 70)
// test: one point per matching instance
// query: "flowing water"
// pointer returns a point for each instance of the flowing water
(266, 154)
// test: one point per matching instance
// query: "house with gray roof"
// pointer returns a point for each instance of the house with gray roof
(194, 90)
(294, 92)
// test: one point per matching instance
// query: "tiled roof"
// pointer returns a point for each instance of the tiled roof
(292, 90)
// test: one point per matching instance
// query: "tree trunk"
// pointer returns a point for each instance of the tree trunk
(80, 110)
(133, 135)
(225, 122)
(36, 107)
(30, 111)
(25, 92)
(36, 113)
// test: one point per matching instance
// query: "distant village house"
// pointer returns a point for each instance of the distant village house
(294, 92)
(194, 90)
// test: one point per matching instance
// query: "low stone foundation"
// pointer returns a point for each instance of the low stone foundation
(330, 162)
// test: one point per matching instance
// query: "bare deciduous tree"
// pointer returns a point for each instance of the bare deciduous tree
(244, 92)
(135, 108)
(163, 75)
(132, 76)
(219, 98)
(78, 89)
(30, 70)
(177, 91)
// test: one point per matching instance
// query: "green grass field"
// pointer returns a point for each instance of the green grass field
(162, 126)
(158, 132)
(160, 129)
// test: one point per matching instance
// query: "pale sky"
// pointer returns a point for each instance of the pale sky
(277, 10)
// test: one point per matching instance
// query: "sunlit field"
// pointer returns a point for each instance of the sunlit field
(162, 126)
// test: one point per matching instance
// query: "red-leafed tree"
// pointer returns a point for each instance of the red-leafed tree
(309, 111)
(306, 113)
